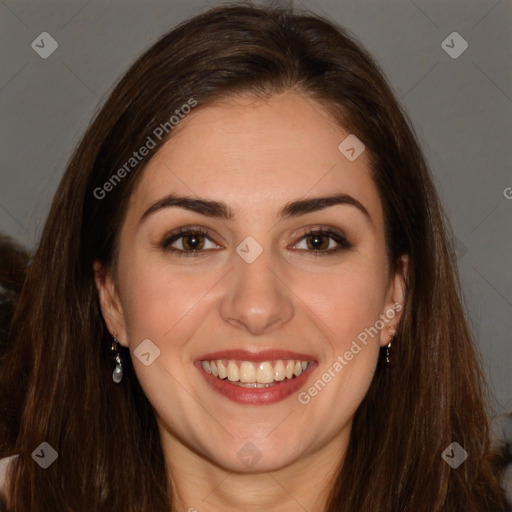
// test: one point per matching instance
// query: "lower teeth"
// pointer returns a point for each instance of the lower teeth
(251, 384)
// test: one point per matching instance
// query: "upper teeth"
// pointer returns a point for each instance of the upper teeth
(264, 372)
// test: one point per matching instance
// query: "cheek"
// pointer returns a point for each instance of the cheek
(156, 300)
(347, 300)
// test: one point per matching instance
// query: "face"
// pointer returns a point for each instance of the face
(291, 294)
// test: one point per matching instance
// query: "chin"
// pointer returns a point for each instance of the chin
(253, 456)
(255, 462)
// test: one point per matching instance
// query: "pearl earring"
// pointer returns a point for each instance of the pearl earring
(117, 374)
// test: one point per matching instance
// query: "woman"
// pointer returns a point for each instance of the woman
(244, 297)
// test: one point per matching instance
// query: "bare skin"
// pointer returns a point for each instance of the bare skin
(256, 156)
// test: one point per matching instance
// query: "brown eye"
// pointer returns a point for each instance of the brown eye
(193, 242)
(317, 242)
(188, 242)
(323, 242)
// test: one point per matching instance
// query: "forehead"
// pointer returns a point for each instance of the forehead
(257, 155)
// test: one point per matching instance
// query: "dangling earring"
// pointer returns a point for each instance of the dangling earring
(387, 353)
(388, 347)
(117, 374)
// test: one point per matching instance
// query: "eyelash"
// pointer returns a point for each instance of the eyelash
(342, 242)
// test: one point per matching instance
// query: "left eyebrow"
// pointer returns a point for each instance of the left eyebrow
(221, 210)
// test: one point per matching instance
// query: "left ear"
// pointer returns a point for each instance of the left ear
(395, 301)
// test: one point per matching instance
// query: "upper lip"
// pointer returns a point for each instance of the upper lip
(256, 356)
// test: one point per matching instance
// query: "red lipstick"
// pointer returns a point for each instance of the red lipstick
(271, 393)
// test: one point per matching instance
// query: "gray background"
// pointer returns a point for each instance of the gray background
(461, 109)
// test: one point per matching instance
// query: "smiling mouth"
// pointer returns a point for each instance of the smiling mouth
(249, 374)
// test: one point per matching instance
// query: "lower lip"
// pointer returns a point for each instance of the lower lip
(257, 396)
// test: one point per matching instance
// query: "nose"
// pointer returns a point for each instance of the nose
(256, 299)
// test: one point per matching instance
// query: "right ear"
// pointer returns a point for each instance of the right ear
(110, 302)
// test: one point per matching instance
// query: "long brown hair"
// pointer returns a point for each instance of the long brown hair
(14, 261)
(56, 383)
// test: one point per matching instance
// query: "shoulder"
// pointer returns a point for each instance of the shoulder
(4, 468)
